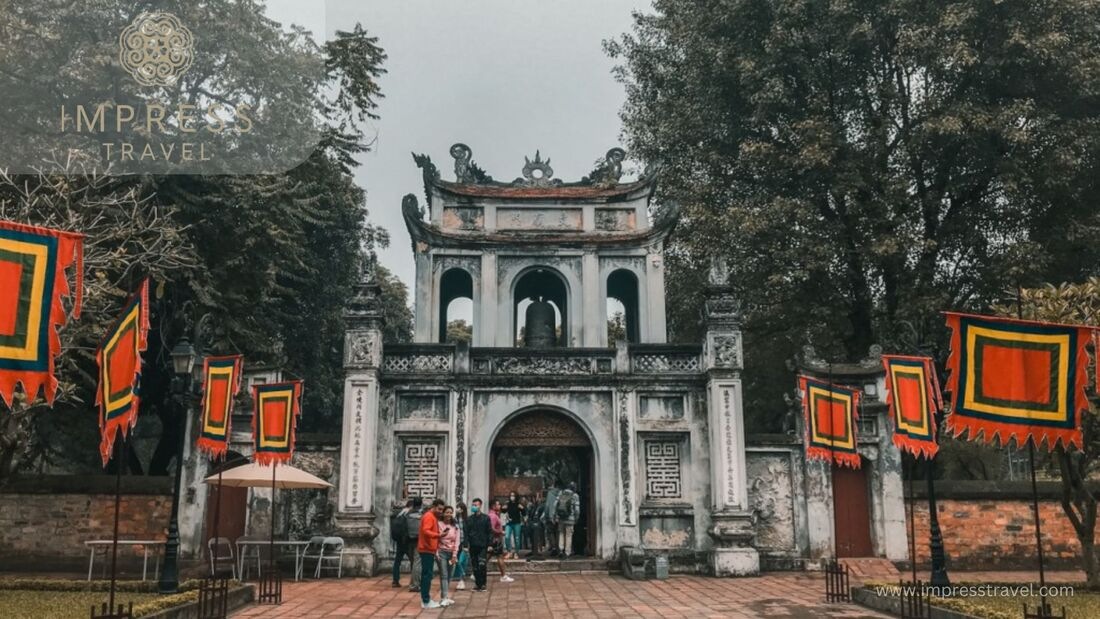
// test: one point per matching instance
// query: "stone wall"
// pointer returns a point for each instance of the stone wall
(45, 519)
(990, 525)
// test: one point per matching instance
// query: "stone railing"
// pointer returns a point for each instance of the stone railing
(666, 359)
(418, 358)
(676, 359)
(547, 362)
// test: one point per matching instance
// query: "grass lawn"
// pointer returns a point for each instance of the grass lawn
(26, 604)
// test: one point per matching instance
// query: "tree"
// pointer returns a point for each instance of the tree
(1073, 304)
(273, 258)
(459, 330)
(126, 237)
(863, 165)
(395, 307)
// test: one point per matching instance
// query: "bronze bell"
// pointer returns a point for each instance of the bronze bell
(539, 330)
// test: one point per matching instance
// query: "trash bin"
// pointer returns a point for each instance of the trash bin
(660, 567)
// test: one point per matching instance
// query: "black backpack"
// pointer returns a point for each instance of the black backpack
(412, 525)
(399, 526)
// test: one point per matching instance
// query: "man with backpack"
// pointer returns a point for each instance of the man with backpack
(399, 534)
(567, 509)
(411, 538)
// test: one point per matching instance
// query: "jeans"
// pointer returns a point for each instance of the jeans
(445, 573)
(399, 553)
(427, 564)
(511, 536)
(565, 538)
(414, 566)
(480, 564)
(461, 565)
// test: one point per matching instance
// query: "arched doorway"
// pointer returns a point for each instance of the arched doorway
(538, 448)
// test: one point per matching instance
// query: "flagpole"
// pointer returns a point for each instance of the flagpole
(912, 527)
(114, 538)
(271, 547)
(832, 460)
(217, 516)
(1034, 485)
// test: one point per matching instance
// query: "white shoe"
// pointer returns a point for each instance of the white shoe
(432, 604)
(507, 578)
(446, 602)
(461, 585)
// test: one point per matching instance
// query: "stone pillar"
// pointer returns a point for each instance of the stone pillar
(362, 359)
(425, 296)
(731, 518)
(593, 311)
(488, 307)
(656, 328)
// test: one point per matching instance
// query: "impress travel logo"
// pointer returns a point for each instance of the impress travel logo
(174, 89)
(156, 48)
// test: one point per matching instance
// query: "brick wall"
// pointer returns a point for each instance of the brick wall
(989, 525)
(45, 520)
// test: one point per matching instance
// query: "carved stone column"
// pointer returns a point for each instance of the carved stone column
(731, 518)
(362, 358)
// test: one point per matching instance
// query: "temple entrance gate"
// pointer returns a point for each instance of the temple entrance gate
(538, 447)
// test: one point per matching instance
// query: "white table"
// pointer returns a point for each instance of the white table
(102, 545)
(299, 552)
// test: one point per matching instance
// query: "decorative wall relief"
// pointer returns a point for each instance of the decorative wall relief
(771, 499)
(431, 406)
(540, 219)
(615, 220)
(661, 406)
(463, 218)
(420, 468)
(460, 446)
(663, 480)
(625, 439)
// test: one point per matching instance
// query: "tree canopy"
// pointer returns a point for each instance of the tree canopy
(865, 164)
(271, 259)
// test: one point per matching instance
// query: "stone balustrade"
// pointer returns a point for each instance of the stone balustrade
(402, 359)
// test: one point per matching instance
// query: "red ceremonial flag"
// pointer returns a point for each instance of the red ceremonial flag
(220, 386)
(913, 397)
(276, 407)
(1017, 379)
(830, 412)
(1096, 359)
(32, 280)
(119, 359)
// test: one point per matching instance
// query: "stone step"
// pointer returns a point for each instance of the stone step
(872, 569)
(577, 564)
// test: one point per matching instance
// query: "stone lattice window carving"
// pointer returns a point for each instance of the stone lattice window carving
(420, 471)
(663, 480)
(416, 363)
(660, 363)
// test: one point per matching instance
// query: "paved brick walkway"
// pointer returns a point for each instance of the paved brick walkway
(580, 595)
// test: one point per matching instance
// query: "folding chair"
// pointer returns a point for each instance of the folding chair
(314, 550)
(332, 551)
(218, 550)
(248, 551)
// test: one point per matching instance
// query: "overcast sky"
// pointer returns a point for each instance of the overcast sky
(506, 77)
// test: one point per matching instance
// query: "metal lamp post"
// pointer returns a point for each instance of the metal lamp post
(183, 363)
(938, 554)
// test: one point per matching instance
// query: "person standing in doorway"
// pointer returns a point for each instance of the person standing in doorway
(414, 516)
(535, 528)
(479, 535)
(497, 549)
(448, 553)
(513, 531)
(428, 547)
(399, 534)
(550, 517)
(568, 509)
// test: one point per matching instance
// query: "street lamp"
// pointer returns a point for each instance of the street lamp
(183, 363)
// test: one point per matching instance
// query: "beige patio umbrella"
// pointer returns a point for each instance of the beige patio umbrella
(255, 476)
